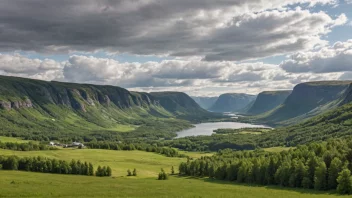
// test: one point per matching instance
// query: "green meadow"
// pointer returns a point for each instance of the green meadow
(148, 165)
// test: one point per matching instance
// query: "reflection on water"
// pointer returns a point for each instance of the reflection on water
(207, 128)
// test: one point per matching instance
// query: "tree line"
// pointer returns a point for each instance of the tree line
(46, 165)
(30, 146)
(166, 151)
(320, 166)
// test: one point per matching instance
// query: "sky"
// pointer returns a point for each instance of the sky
(200, 47)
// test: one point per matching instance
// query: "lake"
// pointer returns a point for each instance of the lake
(207, 128)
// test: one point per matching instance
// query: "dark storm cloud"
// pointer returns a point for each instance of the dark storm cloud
(214, 30)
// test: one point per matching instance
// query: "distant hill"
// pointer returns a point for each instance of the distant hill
(267, 101)
(205, 102)
(232, 102)
(307, 100)
(179, 104)
(29, 106)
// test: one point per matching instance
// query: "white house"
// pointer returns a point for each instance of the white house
(77, 144)
(52, 143)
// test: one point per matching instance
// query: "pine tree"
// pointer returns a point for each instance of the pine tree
(99, 172)
(344, 182)
(91, 169)
(129, 172)
(108, 171)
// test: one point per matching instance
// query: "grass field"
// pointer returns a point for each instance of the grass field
(26, 184)
(11, 139)
(29, 184)
(147, 164)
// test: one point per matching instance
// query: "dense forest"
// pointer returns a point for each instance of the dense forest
(322, 166)
(30, 146)
(46, 165)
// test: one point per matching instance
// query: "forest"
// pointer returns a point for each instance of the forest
(46, 165)
(321, 166)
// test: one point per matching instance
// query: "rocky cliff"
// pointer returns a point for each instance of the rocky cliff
(307, 97)
(232, 102)
(267, 101)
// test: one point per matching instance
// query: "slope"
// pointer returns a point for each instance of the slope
(267, 101)
(307, 100)
(205, 102)
(30, 106)
(232, 102)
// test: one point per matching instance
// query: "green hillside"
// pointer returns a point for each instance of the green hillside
(50, 110)
(267, 101)
(232, 102)
(205, 102)
(306, 100)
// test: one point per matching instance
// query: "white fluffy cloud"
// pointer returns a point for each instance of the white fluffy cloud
(18, 65)
(195, 77)
(336, 58)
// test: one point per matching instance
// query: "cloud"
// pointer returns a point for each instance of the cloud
(18, 65)
(194, 77)
(213, 30)
(336, 58)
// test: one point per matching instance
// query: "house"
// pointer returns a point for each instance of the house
(51, 143)
(74, 144)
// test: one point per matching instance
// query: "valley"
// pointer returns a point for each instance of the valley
(169, 133)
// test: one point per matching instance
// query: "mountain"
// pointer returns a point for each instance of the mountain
(205, 102)
(307, 100)
(29, 106)
(267, 101)
(179, 104)
(232, 102)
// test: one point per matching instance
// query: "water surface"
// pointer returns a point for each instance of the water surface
(207, 128)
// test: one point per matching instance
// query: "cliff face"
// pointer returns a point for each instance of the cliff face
(23, 93)
(20, 93)
(267, 101)
(178, 103)
(205, 102)
(306, 97)
(232, 102)
(347, 98)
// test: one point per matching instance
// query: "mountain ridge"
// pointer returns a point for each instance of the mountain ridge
(232, 102)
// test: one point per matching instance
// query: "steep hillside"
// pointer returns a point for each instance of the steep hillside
(331, 124)
(307, 100)
(205, 102)
(232, 102)
(347, 97)
(28, 106)
(267, 101)
(179, 104)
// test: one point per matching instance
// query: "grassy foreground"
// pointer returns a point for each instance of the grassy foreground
(29, 184)
(25, 184)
